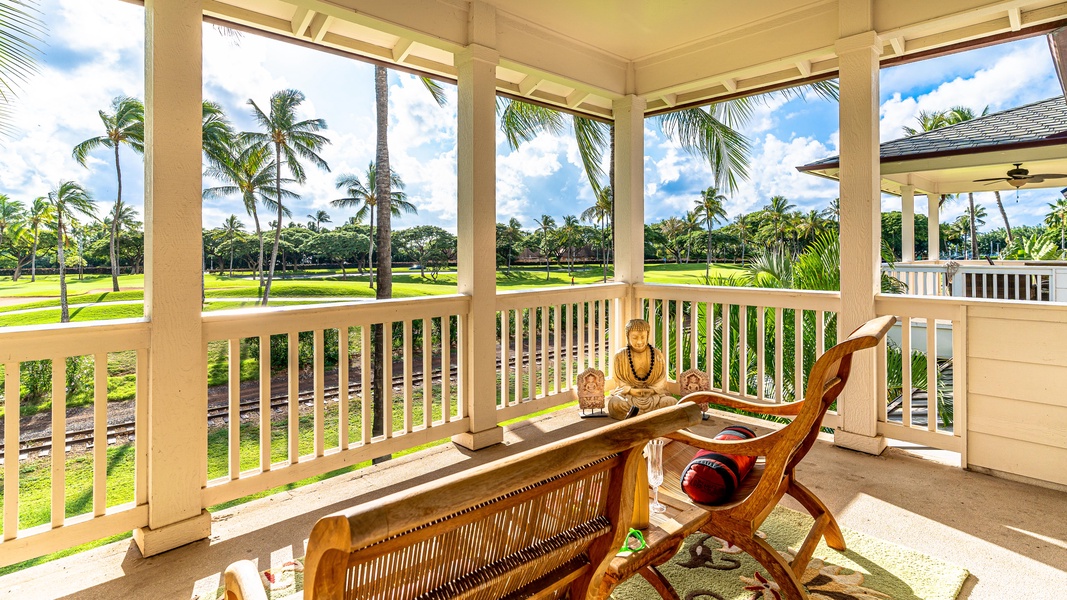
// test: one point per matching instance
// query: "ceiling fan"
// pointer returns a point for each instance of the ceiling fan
(1018, 177)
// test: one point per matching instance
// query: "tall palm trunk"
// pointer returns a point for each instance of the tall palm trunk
(381, 351)
(33, 256)
(707, 267)
(278, 229)
(115, 225)
(64, 311)
(974, 239)
(259, 235)
(1003, 215)
(231, 255)
(374, 242)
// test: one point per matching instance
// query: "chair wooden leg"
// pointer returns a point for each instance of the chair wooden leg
(776, 565)
(659, 582)
(815, 507)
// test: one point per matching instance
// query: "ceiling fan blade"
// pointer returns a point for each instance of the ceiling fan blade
(1050, 175)
(993, 179)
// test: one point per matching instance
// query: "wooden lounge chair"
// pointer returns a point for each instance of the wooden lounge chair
(541, 524)
(737, 520)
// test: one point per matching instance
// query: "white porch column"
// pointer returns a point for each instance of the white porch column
(934, 227)
(860, 231)
(629, 189)
(476, 225)
(907, 223)
(177, 376)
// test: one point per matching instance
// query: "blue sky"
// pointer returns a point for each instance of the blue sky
(93, 55)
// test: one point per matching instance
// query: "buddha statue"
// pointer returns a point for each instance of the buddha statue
(640, 372)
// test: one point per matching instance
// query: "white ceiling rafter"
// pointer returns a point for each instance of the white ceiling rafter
(402, 49)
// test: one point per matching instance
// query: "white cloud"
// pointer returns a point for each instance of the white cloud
(536, 159)
(1021, 76)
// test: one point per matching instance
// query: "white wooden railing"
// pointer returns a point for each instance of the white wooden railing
(1005, 280)
(562, 331)
(23, 535)
(930, 329)
(438, 414)
(780, 329)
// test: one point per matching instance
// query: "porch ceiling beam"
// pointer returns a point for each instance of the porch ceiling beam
(402, 49)
(974, 159)
(529, 84)
(301, 19)
(320, 26)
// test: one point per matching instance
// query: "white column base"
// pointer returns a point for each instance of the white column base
(481, 439)
(860, 443)
(155, 541)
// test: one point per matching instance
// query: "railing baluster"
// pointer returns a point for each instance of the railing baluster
(881, 379)
(99, 435)
(742, 350)
(234, 386)
(387, 378)
(462, 401)
(580, 330)
(294, 397)
(779, 360)
(820, 333)
(11, 450)
(427, 373)
(996, 284)
(905, 368)
(694, 339)
(364, 377)
(344, 390)
(505, 358)
(724, 347)
(140, 430)
(409, 408)
(446, 368)
(319, 395)
(557, 364)
(518, 356)
(761, 351)
(709, 342)
(590, 332)
(605, 356)
(265, 393)
(1018, 284)
(568, 314)
(679, 329)
(931, 374)
(59, 445)
(798, 354)
(665, 324)
(544, 350)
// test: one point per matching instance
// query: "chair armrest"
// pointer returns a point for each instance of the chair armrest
(759, 446)
(243, 583)
(786, 409)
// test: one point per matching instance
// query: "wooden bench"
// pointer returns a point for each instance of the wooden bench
(535, 525)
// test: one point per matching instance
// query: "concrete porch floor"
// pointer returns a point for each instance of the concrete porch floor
(1012, 537)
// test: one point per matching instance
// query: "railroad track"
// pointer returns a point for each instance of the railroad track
(41, 445)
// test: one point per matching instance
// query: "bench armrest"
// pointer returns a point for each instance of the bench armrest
(243, 583)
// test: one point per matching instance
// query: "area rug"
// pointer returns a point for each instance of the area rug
(704, 569)
(870, 569)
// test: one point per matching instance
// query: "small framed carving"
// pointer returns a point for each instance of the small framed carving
(695, 380)
(591, 392)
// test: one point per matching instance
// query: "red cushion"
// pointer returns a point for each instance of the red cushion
(711, 477)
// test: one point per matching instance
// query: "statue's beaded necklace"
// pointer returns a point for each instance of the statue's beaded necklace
(651, 364)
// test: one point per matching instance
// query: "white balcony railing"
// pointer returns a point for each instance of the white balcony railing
(1005, 280)
(420, 334)
(79, 507)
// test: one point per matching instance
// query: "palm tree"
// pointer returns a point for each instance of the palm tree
(1057, 217)
(127, 218)
(601, 211)
(570, 236)
(742, 232)
(67, 199)
(317, 219)
(832, 212)
(359, 195)
(231, 227)
(710, 210)
(11, 212)
(672, 229)
(777, 214)
(217, 134)
(124, 126)
(20, 30)
(546, 224)
(290, 140)
(513, 231)
(249, 172)
(40, 212)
